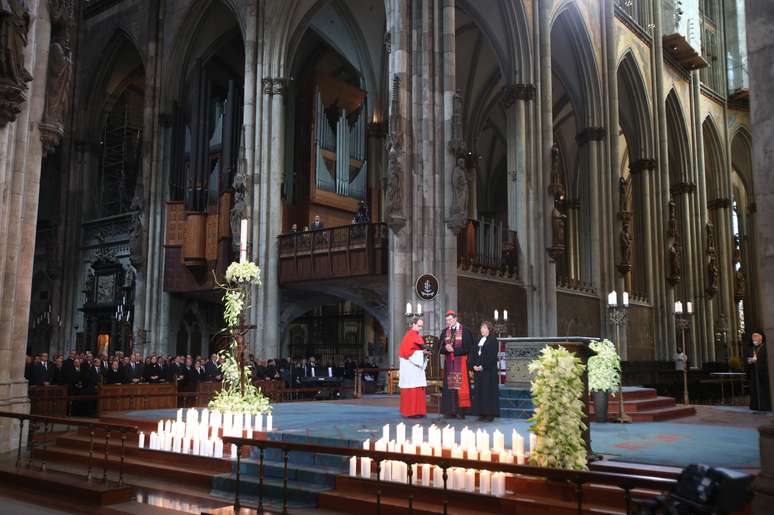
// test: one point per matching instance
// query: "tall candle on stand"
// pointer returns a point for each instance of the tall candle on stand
(243, 241)
(353, 466)
(141, 443)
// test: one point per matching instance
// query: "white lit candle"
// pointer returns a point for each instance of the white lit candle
(180, 415)
(417, 434)
(196, 446)
(425, 449)
(448, 437)
(472, 454)
(408, 308)
(153, 442)
(419, 308)
(438, 477)
(167, 426)
(269, 423)
(386, 432)
(612, 300)
(498, 441)
(678, 307)
(233, 451)
(426, 474)
(218, 448)
(365, 467)
(353, 466)
(243, 241)
(380, 445)
(385, 471)
(689, 307)
(505, 315)
(498, 484)
(258, 422)
(204, 419)
(186, 445)
(141, 443)
(517, 442)
(470, 480)
(160, 427)
(496, 315)
(400, 433)
(484, 482)
(626, 298)
(457, 452)
(459, 478)
(367, 445)
(485, 455)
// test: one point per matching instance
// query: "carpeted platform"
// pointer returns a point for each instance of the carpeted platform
(659, 443)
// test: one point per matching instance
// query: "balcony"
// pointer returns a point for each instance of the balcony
(347, 251)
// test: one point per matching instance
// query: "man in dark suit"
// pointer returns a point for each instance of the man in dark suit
(91, 376)
(74, 381)
(190, 376)
(131, 373)
(153, 371)
(39, 373)
(69, 363)
(212, 370)
(113, 374)
(57, 376)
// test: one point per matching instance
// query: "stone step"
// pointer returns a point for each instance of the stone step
(516, 413)
(300, 493)
(317, 474)
(637, 405)
(515, 393)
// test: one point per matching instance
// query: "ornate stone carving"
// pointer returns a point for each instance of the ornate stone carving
(719, 203)
(625, 236)
(136, 227)
(713, 271)
(558, 222)
(675, 247)
(640, 165)
(393, 196)
(513, 92)
(556, 187)
(275, 86)
(60, 72)
(240, 209)
(14, 25)
(739, 285)
(457, 143)
(682, 187)
(458, 215)
(388, 42)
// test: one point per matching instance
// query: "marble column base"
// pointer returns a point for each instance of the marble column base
(13, 397)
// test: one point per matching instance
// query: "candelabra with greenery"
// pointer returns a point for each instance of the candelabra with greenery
(237, 393)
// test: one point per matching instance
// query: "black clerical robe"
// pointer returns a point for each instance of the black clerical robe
(486, 389)
(455, 396)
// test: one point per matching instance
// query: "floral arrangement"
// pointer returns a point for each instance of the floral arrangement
(238, 394)
(604, 367)
(557, 392)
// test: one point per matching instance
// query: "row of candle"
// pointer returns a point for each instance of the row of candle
(207, 447)
(235, 422)
(458, 478)
(446, 438)
(457, 451)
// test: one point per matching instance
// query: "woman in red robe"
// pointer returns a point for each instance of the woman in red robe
(412, 380)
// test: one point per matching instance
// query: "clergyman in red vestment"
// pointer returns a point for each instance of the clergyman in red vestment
(412, 380)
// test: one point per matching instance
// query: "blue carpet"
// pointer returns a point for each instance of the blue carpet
(657, 443)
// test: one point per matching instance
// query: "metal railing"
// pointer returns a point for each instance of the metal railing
(575, 479)
(36, 438)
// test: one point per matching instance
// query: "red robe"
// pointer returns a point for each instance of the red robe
(412, 399)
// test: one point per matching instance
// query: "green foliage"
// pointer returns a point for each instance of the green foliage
(605, 367)
(557, 393)
(237, 393)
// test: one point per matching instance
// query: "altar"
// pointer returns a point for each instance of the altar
(521, 351)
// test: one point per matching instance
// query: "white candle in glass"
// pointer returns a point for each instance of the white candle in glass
(167, 426)
(419, 308)
(367, 445)
(259, 422)
(353, 466)
(457, 452)
(472, 454)
(408, 308)
(485, 455)
(498, 484)
(434, 435)
(195, 443)
(459, 478)
(678, 307)
(176, 444)
(248, 421)
(689, 307)
(448, 437)
(391, 446)
(249, 432)
(204, 418)
(386, 432)
(626, 298)
(396, 473)
(496, 315)
(186, 444)
(180, 415)
(426, 474)
(425, 449)
(438, 451)
(218, 448)
(612, 300)
(160, 427)
(141, 443)
(380, 445)
(505, 315)
(243, 241)
(484, 482)
(152, 440)
(517, 442)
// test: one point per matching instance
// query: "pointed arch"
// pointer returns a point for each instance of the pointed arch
(634, 108)
(714, 159)
(571, 30)
(741, 156)
(185, 38)
(678, 142)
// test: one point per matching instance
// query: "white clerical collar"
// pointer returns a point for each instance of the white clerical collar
(481, 341)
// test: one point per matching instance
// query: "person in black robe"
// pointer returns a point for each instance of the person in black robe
(758, 371)
(455, 345)
(483, 363)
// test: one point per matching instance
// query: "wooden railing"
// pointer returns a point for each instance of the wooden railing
(35, 438)
(576, 479)
(345, 251)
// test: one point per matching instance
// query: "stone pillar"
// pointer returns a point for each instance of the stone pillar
(760, 41)
(667, 303)
(20, 164)
(545, 200)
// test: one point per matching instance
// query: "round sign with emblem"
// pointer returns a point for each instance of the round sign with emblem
(427, 287)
